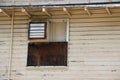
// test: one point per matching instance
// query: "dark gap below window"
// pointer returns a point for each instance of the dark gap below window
(47, 54)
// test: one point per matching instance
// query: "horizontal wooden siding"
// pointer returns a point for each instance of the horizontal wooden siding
(93, 52)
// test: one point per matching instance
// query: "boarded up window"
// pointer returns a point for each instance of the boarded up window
(47, 54)
(37, 30)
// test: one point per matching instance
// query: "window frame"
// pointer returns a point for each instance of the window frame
(45, 31)
(53, 68)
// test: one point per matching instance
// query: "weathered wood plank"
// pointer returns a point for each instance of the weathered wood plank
(93, 48)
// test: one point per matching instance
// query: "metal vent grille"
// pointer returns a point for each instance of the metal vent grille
(37, 30)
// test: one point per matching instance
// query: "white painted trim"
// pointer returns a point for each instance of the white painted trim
(46, 68)
(58, 20)
(67, 31)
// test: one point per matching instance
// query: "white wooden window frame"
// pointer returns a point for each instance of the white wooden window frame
(60, 20)
(63, 68)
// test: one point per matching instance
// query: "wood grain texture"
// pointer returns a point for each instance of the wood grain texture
(93, 50)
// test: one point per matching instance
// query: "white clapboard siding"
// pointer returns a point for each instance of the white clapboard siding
(20, 39)
(93, 50)
(94, 46)
(4, 46)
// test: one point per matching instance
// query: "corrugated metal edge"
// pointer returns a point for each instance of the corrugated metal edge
(108, 4)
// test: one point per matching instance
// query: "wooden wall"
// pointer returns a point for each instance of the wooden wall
(5, 24)
(93, 52)
(94, 48)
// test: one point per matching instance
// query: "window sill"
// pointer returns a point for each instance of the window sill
(48, 68)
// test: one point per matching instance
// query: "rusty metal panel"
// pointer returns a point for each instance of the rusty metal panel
(47, 54)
